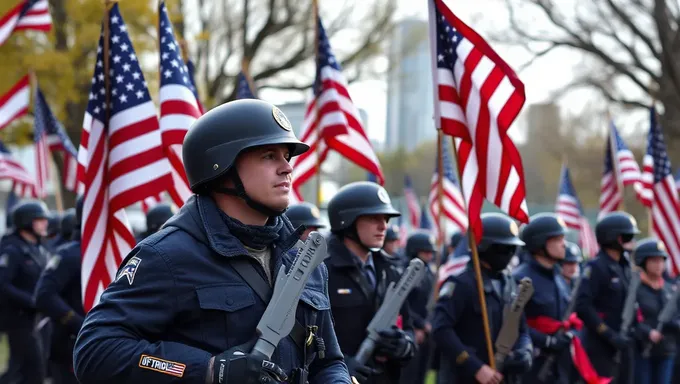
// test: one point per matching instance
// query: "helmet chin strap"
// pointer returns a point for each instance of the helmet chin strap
(240, 191)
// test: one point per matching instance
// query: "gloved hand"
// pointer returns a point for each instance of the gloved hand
(239, 365)
(359, 371)
(557, 342)
(518, 362)
(394, 343)
(617, 340)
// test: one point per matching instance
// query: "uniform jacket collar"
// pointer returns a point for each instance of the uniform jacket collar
(200, 217)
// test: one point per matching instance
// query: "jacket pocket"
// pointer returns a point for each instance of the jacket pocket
(227, 314)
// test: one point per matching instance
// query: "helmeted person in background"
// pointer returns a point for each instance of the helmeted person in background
(457, 320)
(571, 264)
(53, 231)
(156, 216)
(307, 215)
(544, 240)
(186, 301)
(66, 227)
(392, 238)
(22, 259)
(58, 295)
(359, 274)
(421, 245)
(652, 295)
(602, 294)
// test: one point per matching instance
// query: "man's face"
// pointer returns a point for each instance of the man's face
(266, 174)
(371, 230)
(556, 247)
(569, 270)
(40, 227)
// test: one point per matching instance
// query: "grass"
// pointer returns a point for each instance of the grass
(430, 378)
(4, 352)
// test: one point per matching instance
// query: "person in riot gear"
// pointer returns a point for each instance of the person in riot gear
(359, 274)
(456, 322)
(53, 230)
(58, 295)
(602, 294)
(652, 296)
(187, 299)
(421, 245)
(22, 258)
(307, 215)
(571, 264)
(156, 216)
(392, 237)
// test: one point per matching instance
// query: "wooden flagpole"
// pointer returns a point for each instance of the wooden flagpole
(471, 237)
(315, 12)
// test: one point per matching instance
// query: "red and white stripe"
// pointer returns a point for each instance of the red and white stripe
(587, 239)
(453, 267)
(666, 220)
(645, 189)
(11, 169)
(476, 102)
(610, 194)
(37, 18)
(412, 203)
(454, 208)
(70, 174)
(15, 102)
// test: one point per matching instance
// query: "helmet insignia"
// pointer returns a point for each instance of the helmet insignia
(315, 212)
(383, 196)
(281, 118)
(514, 229)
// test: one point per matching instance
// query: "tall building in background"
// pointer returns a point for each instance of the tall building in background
(409, 87)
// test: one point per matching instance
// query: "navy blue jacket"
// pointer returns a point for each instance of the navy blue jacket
(458, 329)
(58, 295)
(20, 266)
(177, 302)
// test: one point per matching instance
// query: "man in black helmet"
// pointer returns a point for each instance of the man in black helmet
(359, 274)
(156, 216)
(457, 327)
(307, 215)
(22, 258)
(187, 299)
(601, 297)
(58, 295)
(571, 264)
(392, 237)
(421, 245)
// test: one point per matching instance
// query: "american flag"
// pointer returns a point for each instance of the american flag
(331, 122)
(28, 14)
(455, 262)
(478, 96)
(15, 102)
(192, 70)
(11, 169)
(243, 91)
(49, 136)
(624, 171)
(121, 158)
(452, 199)
(411, 202)
(179, 105)
(665, 205)
(403, 232)
(569, 208)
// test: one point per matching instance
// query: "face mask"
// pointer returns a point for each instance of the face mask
(498, 256)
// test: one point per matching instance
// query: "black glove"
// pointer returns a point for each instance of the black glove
(672, 327)
(238, 365)
(359, 371)
(394, 343)
(557, 342)
(518, 362)
(617, 340)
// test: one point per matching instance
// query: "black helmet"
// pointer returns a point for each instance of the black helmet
(499, 229)
(613, 225)
(79, 211)
(573, 253)
(358, 199)
(419, 241)
(392, 233)
(26, 211)
(542, 227)
(219, 136)
(456, 237)
(647, 248)
(157, 216)
(68, 223)
(306, 214)
(53, 224)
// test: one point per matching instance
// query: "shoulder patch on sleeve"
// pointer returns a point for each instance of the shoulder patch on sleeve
(4, 260)
(53, 263)
(130, 269)
(447, 289)
(163, 366)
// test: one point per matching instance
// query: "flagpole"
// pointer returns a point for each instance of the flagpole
(58, 199)
(471, 237)
(440, 203)
(315, 12)
(650, 229)
(615, 162)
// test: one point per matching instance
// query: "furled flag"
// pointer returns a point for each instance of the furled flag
(665, 207)
(15, 102)
(619, 170)
(452, 199)
(27, 15)
(411, 202)
(243, 91)
(49, 136)
(121, 159)
(331, 122)
(569, 208)
(179, 105)
(11, 169)
(478, 96)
